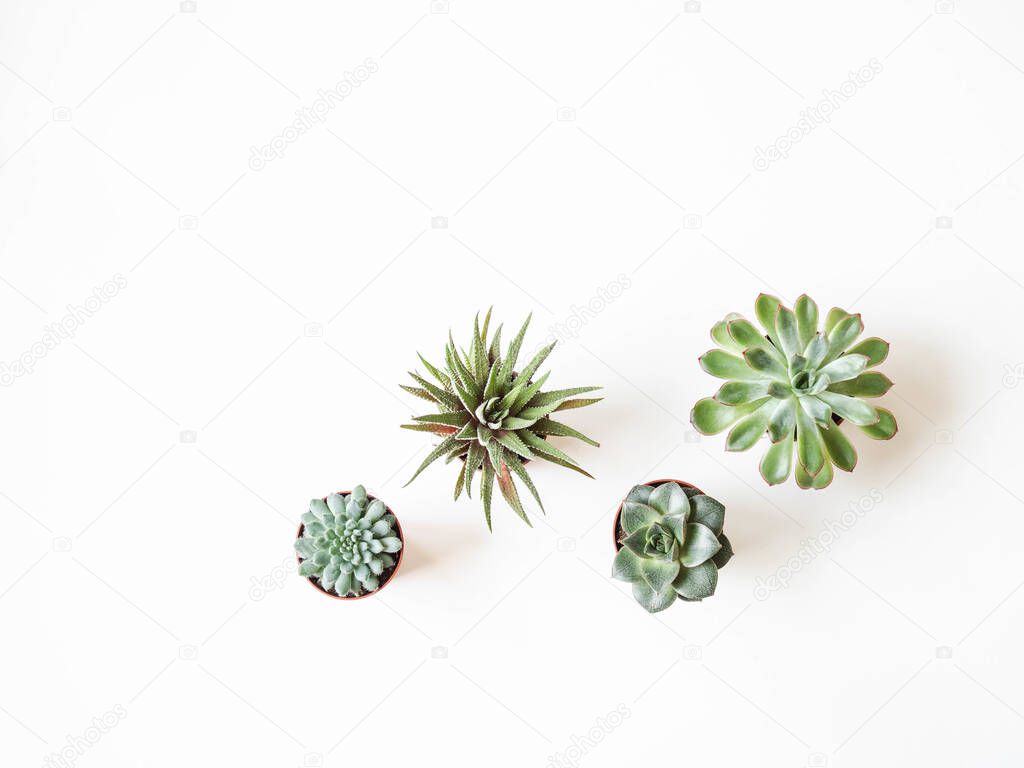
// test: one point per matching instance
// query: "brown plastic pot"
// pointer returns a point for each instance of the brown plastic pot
(618, 513)
(390, 576)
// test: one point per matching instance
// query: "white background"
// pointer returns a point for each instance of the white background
(143, 571)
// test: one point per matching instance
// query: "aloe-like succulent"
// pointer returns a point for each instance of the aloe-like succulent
(347, 543)
(494, 418)
(672, 544)
(796, 383)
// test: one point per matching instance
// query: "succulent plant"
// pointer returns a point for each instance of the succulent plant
(672, 544)
(796, 383)
(347, 543)
(493, 417)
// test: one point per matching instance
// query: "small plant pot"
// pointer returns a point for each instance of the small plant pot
(617, 531)
(386, 578)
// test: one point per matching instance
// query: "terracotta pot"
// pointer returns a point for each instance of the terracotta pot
(618, 513)
(389, 576)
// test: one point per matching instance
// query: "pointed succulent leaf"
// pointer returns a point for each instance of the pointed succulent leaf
(701, 544)
(669, 499)
(843, 335)
(835, 315)
(458, 419)
(789, 336)
(698, 582)
(508, 490)
(445, 446)
(840, 449)
(761, 363)
(486, 490)
(846, 367)
(652, 601)
(739, 392)
(721, 336)
(815, 351)
(868, 384)
(577, 402)
(749, 429)
(640, 493)
(709, 417)
(816, 409)
(723, 365)
(766, 307)
(857, 411)
(874, 349)
(557, 429)
(783, 420)
(884, 429)
(806, 312)
(626, 565)
(810, 453)
(708, 512)
(519, 470)
(725, 553)
(658, 574)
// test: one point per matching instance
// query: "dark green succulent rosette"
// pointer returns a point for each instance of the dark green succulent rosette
(495, 417)
(672, 544)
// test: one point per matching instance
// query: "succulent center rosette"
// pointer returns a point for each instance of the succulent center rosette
(672, 544)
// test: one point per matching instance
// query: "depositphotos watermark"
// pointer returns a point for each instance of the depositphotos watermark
(307, 117)
(273, 581)
(572, 755)
(815, 115)
(811, 549)
(578, 317)
(78, 745)
(65, 328)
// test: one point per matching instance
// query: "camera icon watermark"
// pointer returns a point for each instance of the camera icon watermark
(439, 6)
(439, 222)
(61, 544)
(691, 6)
(439, 652)
(566, 114)
(566, 544)
(692, 437)
(817, 760)
(313, 760)
(945, 6)
(188, 652)
(187, 436)
(62, 115)
(691, 221)
(187, 6)
(944, 436)
(692, 653)
(944, 222)
(188, 221)
(944, 652)
(313, 331)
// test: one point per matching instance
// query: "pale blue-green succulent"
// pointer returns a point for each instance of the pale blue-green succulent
(347, 543)
(795, 383)
(672, 544)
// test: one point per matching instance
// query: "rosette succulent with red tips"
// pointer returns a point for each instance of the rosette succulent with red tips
(796, 383)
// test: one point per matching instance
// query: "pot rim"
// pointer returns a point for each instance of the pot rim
(394, 571)
(655, 483)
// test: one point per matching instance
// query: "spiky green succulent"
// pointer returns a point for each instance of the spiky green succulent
(347, 543)
(494, 418)
(796, 383)
(672, 544)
